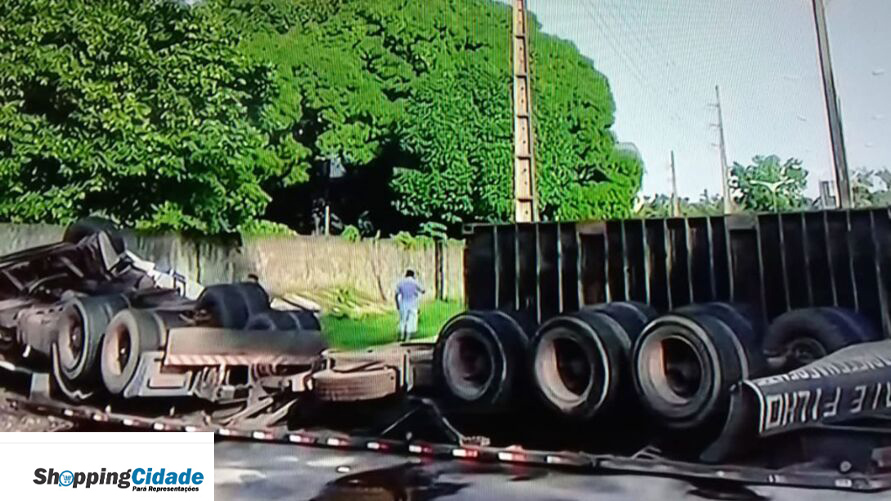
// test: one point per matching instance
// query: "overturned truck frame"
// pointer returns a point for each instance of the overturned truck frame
(747, 348)
(742, 339)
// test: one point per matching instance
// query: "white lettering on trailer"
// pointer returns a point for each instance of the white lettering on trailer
(814, 413)
(805, 396)
(857, 404)
(827, 413)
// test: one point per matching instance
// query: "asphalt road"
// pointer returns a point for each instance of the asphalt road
(250, 471)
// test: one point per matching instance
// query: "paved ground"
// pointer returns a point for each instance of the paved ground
(12, 419)
(250, 471)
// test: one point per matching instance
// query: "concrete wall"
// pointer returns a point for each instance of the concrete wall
(284, 264)
(308, 263)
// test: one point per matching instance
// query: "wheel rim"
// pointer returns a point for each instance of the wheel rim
(682, 368)
(469, 364)
(676, 377)
(803, 351)
(119, 349)
(72, 340)
(564, 370)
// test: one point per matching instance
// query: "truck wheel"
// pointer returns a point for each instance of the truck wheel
(685, 363)
(91, 225)
(799, 337)
(480, 358)
(578, 361)
(231, 305)
(291, 320)
(81, 329)
(129, 334)
(631, 315)
(331, 385)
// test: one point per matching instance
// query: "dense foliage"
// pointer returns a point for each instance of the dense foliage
(172, 116)
(141, 110)
(871, 188)
(659, 206)
(769, 184)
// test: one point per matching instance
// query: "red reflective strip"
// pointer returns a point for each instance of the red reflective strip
(420, 449)
(300, 439)
(514, 457)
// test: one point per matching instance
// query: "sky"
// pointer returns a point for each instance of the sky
(663, 59)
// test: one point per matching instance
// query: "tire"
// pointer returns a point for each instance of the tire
(91, 225)
(291, 320)
(376, 382)
(81, 330)
(799, 337)
(631, 315)
(479, 360)
(580, 360)
(685, 363)
(231, 305)
(576, 363)
(129, 334)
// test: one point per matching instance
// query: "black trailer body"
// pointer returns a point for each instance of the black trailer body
(772, 262)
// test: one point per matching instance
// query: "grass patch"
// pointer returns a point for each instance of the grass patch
(382, 328)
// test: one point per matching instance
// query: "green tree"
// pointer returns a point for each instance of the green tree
(871, 188)
(707, 205)
(654, 207)
(145, 111)
(659, 206)
(768, 184)
(428, 86)
(167, 115)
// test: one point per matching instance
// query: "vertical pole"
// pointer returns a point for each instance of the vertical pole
(827, 195)
(525, 203)
(439, 279)
(675, 200)
(839, 156)
(327, 218)
(729, 206)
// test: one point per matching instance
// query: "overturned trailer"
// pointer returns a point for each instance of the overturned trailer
(759, 339)
(740, 348)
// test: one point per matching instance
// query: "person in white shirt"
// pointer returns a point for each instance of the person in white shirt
(408, 299)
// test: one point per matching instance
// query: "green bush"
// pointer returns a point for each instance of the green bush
(405, 240)
(264, 228)
(351, 234)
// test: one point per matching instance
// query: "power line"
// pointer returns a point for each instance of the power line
(618, 49)
(664, 75)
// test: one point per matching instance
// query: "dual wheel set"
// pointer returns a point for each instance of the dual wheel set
(616, 358)
(101, 338)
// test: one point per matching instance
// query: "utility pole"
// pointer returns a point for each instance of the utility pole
(525, 203)
(839, 156)
(729, 206)
(675, 200)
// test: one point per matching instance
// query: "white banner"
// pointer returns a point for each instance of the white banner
(106, 466)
